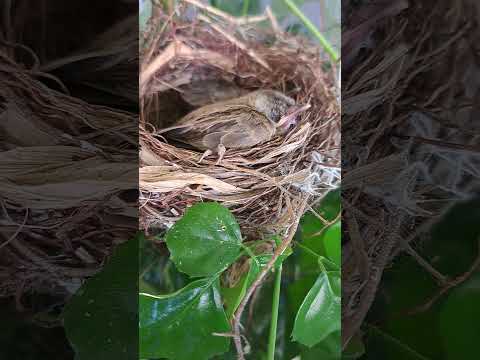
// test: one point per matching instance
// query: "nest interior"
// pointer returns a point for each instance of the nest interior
(191, 61)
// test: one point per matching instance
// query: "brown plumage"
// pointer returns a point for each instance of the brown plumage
(235, 124)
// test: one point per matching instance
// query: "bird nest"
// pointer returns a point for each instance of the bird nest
(396, 183)
(204, 56)
(68, 165)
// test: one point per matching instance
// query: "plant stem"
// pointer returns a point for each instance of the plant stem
(246, 6)
(265, 270)
(273, 324)
(313, 29)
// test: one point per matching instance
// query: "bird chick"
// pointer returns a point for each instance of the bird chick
(237, 123)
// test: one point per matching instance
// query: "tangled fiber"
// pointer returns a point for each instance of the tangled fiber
(196, 55)
(409, 133)
(67, 160)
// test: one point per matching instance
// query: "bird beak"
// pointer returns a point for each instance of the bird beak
(290, 118)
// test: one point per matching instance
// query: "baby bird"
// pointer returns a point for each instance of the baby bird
(237, 123)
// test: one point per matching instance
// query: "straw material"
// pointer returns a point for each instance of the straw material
(65, 168)
(407, 149)
(212, 57)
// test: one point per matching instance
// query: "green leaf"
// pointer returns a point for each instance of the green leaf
(329, 209)
(101, 319)
(180, 326)
(205, 241)
(332, 241)
(310, 229)
(319, 314)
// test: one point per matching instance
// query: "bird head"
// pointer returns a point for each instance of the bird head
(278, 108)
(273, 104)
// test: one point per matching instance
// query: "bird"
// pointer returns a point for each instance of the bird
(237, 123)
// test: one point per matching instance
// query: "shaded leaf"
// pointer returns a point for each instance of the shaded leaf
(355, 348)
(459, 321)
(310, 229)
(180, 326)
(101, 319)
(328, 349)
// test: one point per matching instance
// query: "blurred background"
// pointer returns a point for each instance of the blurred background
(324, 14)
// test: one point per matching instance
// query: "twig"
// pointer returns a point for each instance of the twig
(455, 282)
(166, 56)
(278, 251)
(212, 10)
(19, 229)
(273, 20)
(231, 19)
(250, 19)
(375, 276)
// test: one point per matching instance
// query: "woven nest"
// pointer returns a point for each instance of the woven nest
(188, 62)
(67, 166)
(399, 90)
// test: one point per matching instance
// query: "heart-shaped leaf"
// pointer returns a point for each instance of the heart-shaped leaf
(205, 241)
(319, 314)
(181, 325)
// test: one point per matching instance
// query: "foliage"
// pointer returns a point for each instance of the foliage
(205, 241)
(173, 325)
(449, 328)
(101, 319)
(185, 317)
(318, 315)
(181, 325)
